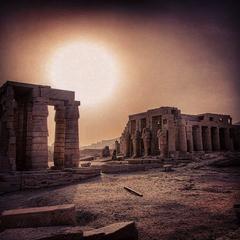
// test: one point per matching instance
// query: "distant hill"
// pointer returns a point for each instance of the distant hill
(101, 144)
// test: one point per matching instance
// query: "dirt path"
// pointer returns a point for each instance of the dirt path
(184, 204)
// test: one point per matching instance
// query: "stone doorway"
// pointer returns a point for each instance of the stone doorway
(24, 129)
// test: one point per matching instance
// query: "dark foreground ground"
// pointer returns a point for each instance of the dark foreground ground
(193, 202)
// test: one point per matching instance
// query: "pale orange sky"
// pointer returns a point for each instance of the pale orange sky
(164, 59)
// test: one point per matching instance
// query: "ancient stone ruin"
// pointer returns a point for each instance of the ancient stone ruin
(24, 131)
(166, 132)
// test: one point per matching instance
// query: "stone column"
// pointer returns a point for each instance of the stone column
(227, 139)
(162, 135)
(189, 139)
(146, 136)
(71, 157)
(126, 144)
(117, 147)
(182, 137)
(171, 139)
(10, 105)
(29, 137)
(136, 144)
(198, 138)
(215, 139)
(39, 148)
(231, 132)
(59, 143)
(208, 139)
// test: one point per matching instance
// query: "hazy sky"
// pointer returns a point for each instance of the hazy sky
(168, 54)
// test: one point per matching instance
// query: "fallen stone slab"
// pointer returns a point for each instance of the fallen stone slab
(93, 235)
(39, 216)
(43, 233)
(116, 231)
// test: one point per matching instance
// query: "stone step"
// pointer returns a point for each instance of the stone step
(39, 216)
(116, 231)
(40, 233)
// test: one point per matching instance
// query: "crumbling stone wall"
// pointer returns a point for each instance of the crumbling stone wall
(24, 131)
(166, 132)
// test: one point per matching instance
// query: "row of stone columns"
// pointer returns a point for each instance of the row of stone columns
(190, 138)
(203, 138)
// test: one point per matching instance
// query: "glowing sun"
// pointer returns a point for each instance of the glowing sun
(87, 68)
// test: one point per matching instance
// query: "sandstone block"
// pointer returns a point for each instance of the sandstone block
(46, 233)
(116, 231)
(39, 216)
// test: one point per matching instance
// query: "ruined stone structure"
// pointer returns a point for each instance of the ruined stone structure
(24, 131)
(106, 152)
(166, 132)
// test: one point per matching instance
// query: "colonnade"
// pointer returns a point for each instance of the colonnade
(183, 138)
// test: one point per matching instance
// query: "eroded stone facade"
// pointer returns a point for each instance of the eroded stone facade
(166, 132)
(24, 130)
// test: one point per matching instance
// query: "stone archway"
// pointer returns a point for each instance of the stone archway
(24, 111)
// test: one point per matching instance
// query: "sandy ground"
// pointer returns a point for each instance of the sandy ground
(188, 203)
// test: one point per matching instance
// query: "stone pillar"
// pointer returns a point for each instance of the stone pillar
(182, 137)
(189, 139)
(146, 136)
(117, 147)
(126, 144)
(206, 138)
(171, 139)
(136, 144)
(162, 135)
(71, 157)
(227, 139)
(10, 105)
(198, 138)
(29, 137)
(59, 143)
(215, 139)
(39, 149)
(231, 132)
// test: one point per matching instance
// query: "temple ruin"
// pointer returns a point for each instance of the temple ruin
(166, 132)
(24, 130)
